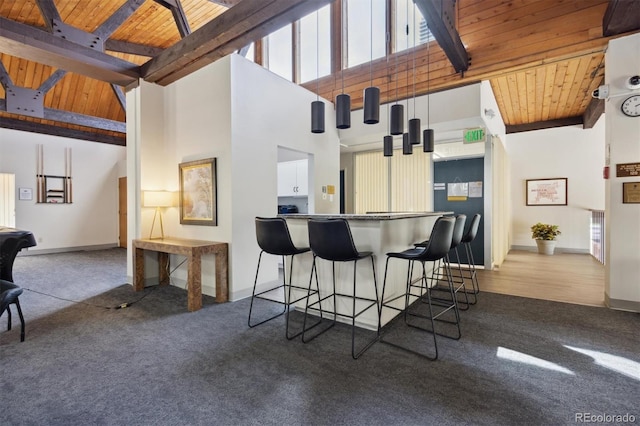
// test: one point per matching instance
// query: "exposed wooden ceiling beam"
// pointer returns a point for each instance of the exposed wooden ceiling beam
(78, 119)
(249, 20)
(621, 16)
(178, 15)
(5, 78)
(593, 112)
(49, 13)
(28, 42)
(539, 125)
(227, 3)
(122, 99)
(52, 80)
(440, 17)
(132, 48)
(46, 129)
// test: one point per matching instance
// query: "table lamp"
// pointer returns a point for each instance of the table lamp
(157, 199)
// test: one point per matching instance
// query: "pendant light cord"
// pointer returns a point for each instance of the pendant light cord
(414, 60)
(370, 42)
(428, 81)
(318, 55)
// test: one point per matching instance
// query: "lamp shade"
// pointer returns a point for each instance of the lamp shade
(397, 119)
(427, 139)
(371, 105)
(414, 131)
(407, 147)
(317, 117)
(387, 146)
(343, 111)
(158, 199)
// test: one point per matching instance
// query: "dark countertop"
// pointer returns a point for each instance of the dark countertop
(367, 216)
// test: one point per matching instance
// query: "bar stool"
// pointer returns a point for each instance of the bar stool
(435, 250)
(274, 238)
(458, 280)
(331, 239)
(9, 293)
(467, 239)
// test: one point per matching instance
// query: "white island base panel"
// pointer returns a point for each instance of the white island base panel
(378, 233)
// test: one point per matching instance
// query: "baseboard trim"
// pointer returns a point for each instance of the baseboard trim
(557, 250)
(621, 305)
(33, 251)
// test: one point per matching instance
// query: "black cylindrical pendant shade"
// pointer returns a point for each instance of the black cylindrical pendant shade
(371, 105)
(387, 145)
(427, 137)
(343, 111)
(397, 119)
(414, 131)
(407, 148)
(317, 117)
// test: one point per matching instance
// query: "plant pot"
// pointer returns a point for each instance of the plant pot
(546, 246)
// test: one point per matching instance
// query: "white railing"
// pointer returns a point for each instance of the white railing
(597, 234)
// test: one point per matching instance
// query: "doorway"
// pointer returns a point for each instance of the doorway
(465, 171)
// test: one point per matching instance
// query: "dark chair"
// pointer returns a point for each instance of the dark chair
(9, 293)
(435, 250)
(11, 242)
(458, 278)
(467, 239)
(331, 240)
(274, 238)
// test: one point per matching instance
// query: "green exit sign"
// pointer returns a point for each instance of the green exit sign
(474, 135)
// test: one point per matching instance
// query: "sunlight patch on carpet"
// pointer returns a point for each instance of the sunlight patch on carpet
(616, 363)
(516, 356)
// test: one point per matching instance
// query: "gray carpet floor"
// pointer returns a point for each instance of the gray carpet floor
(519, 361)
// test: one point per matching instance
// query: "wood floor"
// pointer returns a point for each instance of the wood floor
(563, 277)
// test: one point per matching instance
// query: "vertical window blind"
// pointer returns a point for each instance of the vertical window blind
(400, 183)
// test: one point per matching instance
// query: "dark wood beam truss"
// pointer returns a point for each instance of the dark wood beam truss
(178, 15)
(249, 20)
(28, 42)
(593, 112)
(49, 13)
(539, 125)
(46, 129)
(621, 17)
(109, 26)
(78, 119)
(440, 17)
(132, 48)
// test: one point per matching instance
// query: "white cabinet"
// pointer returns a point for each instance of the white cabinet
(293, 180)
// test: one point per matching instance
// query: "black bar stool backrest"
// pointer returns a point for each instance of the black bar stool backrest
(458, 230)
(473, 229)
(440, 240)
(273, 236)
(331, 239)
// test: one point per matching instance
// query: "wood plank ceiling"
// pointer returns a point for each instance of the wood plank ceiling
(542, 57)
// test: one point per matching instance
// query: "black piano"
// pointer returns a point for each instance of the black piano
(11, 242)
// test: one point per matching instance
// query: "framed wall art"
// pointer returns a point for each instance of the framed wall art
(630, 192)
(547, 192)
(198, 194)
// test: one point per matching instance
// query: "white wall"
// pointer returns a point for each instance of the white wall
(92, 219)
(227, 111)
(622, 276)
(571, 152)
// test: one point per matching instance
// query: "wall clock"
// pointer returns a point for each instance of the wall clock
(631, 106)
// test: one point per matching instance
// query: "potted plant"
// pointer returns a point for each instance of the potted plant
(545, 236)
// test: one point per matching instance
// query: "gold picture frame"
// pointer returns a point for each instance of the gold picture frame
(198, 192)
(630, 192)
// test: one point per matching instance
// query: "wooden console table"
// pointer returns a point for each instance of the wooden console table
(193, 250)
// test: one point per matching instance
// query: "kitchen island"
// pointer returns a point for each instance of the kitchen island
(379, 233)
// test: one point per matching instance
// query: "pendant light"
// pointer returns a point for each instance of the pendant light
(343, 105)
(397, 110)
(317, 106)
(407, 146)
(387, 146)
(414, 123)
(387, 141)
(428, 134)
(371, 94)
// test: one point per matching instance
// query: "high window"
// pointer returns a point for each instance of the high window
(280, 52)
(363, 16)
(315, 44)
(410, 26)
